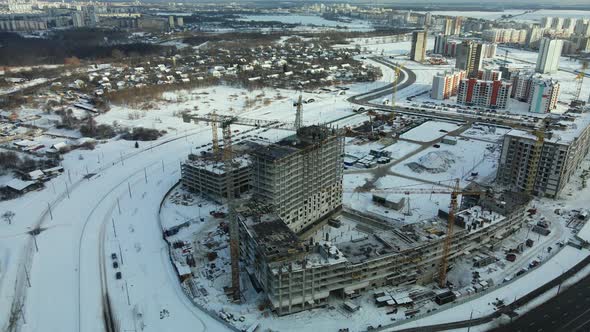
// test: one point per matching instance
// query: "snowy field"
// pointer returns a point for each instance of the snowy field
(310, 20)
(70, 240)
(462, 160)
(107, 201)
(429, 131)
(485, 132)
(401, 148)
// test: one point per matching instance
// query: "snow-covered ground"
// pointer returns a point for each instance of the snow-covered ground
(23, 85)
(122, 195)
(429, 131)
(309, 20)
(462, 161)
(69, 249)
(485, 132)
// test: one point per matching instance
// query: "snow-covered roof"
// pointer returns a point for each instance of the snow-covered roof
(182, 269)
(571, 130)
(34, 175)
(19, 185)
(584, 233)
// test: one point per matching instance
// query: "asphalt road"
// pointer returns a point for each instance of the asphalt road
(567, 312)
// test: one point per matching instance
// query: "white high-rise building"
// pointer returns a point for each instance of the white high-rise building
(569, 24)
(582, 27)
(445, 85)
(546, 22)
(549, 52)
(557, 23)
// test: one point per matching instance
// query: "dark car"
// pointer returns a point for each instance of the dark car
(115, 265)
(118, 275)
(113, 256)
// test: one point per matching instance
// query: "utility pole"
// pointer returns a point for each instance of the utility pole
(49, 208)
(118, 205)
(127, 291)
(129, 187)
(27, 276)
(120, 253)
(35, 240)
(145, 174)
(22, 314)
(68, 189)
(113, 222)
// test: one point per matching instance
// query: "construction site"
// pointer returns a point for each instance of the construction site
(293, 238)
(395, 211)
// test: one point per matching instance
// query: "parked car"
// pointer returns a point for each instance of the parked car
(118, 275)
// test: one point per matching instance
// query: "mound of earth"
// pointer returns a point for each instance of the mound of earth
(433, 162)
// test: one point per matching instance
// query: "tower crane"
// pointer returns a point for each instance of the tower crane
(225, 121)
(580, 80)
(455, 191)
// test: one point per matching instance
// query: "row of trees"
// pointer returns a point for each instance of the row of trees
(10, 160)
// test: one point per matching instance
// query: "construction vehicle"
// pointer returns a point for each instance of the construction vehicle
(454, 191)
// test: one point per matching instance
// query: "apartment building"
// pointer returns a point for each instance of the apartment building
(489, 75)
(470, 57)
(445, 85)
(549, 53)
(299, 274)
(505, 36)
(208, 176)
(544, 95)
(452, 25)
(492, 94)
(546, 22)
(439, 44)
(545, 166)
(533, 37)
(300, 176)
(522, 82)
(418, 50)
(541, 94)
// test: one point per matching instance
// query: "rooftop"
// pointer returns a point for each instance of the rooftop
(305, 137)
(564, 128)
(274, 238)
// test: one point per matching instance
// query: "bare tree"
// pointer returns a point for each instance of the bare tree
(7, 216)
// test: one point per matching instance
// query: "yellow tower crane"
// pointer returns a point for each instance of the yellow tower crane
(455, 191)
(227, 157)
(580, 80)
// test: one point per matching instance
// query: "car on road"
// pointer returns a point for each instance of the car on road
(118, 275)
(113, 256)
(115, 265)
